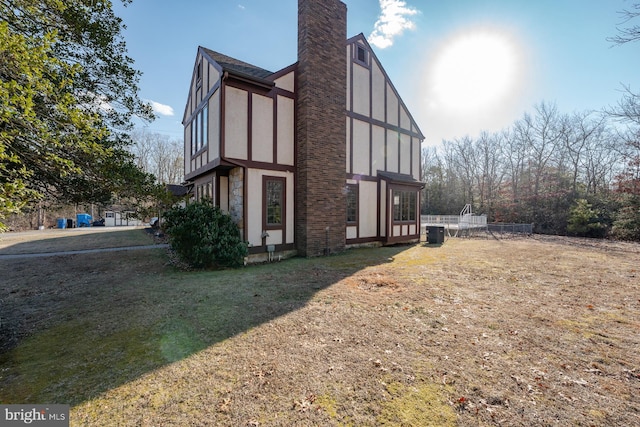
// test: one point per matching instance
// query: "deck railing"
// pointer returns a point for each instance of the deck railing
(462, 221)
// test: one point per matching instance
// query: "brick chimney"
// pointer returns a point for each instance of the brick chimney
(321, 127)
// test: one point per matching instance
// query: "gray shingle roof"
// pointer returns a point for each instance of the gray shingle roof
(400, 178)
(236, 66)
(178, 190)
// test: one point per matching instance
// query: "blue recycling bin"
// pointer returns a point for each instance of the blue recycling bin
(83, 220)
(62, 222)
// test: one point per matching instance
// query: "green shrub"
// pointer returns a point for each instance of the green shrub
(203, 236)
(627, 223)
(584, 221)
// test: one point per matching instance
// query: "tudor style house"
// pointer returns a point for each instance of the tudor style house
(313, 158)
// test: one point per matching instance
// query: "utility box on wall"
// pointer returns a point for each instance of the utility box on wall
(435, 234)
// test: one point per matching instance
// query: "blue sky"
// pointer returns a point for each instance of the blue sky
(461, 66)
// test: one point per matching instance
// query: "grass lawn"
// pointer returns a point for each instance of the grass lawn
(473, 332)
(71, 239)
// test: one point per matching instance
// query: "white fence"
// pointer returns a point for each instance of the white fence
(455, 221)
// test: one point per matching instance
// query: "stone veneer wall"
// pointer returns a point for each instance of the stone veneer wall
(236, 198)
(321, 127)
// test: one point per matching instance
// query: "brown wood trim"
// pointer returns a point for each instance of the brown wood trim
(286, 70)
(245, 198)
(261, 165)
(379, 207)
(354, 55)
(206, 98)
(370, 116)
(351, 144)
(216, 189)
(411, 156)
(373, 57)
(281, 92)
(216, 163)
(274, 130)
(362, 177)
(370, 127)
(273, 95)
(399, 149)
(204, 53)
(386, 137)
(250, 125)
(283, 226)
(350, 107)
(246, 85)
(409, 188)
(223, 117)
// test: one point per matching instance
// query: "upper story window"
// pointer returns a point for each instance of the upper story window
(199, 72)
(199, 130)
(361, 54)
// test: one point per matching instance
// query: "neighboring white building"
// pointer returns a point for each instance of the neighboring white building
(117, 218)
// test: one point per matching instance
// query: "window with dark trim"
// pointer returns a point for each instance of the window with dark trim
(204, 121)
(404, 205)
(199, 72)
(352, 203)
(194, 139)
(274, 201)
(361, 54)
(199, 130)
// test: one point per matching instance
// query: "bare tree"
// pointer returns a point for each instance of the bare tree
(583, 132)
(462, 159)
(159, 155)
(626, 32)
(490, 170)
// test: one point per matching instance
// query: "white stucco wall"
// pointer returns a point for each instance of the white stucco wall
(368, 200)
(378, 152)
(286, 126)
(254, 208)
(392, 150)
(235, 122)
(392, 106)
(360, 90)
(416, 158)
(378, 89)
(348, 143)
(261, 128)
(405, 154)
(214, 125)
(286, 82)
(360, 147)
(383, 207)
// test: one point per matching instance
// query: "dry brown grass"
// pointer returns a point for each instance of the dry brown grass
(52, 240)
(529, 332)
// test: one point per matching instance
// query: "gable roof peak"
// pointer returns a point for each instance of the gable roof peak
(235, 66)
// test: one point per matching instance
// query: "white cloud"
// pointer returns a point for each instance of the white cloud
(163, 110)
(91, 101)
(241, 7)
(393, 20)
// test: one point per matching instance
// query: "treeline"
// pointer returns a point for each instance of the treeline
(574, 174)
(158, 155)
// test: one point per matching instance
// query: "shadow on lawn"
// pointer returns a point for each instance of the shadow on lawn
(76, 326)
